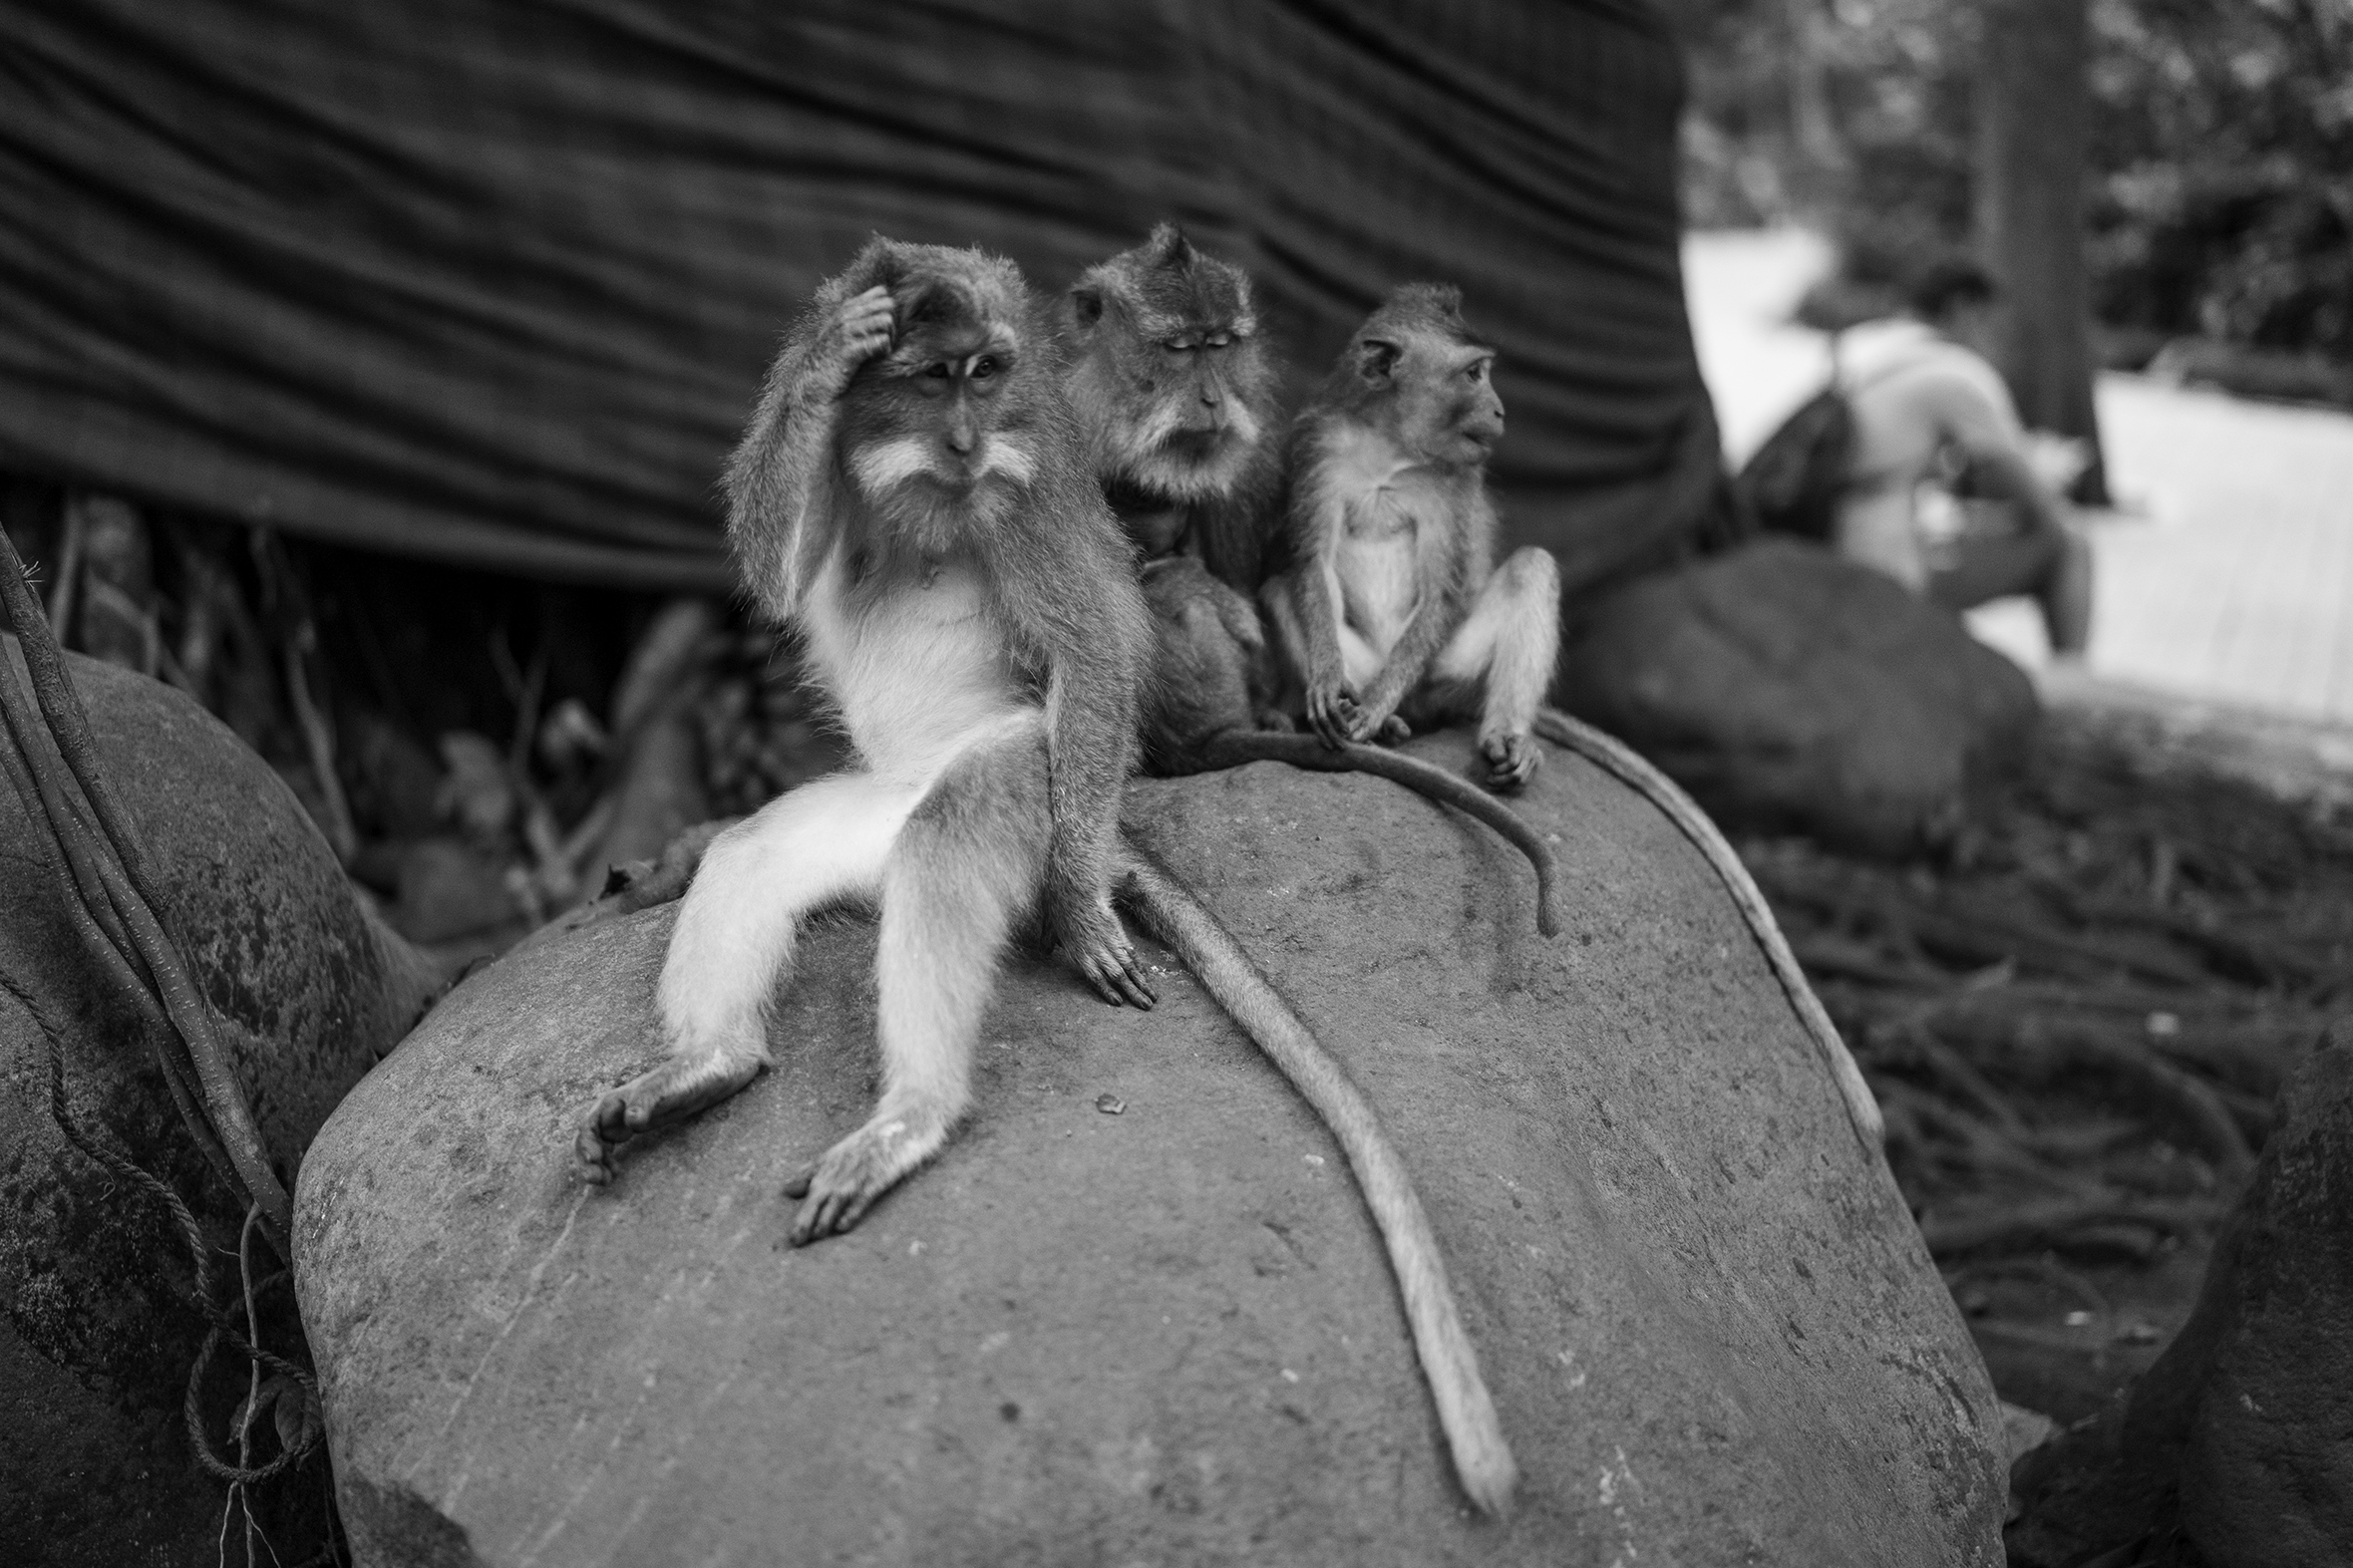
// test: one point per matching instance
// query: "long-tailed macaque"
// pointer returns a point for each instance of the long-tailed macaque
(1173, 385)
(1390, 607)
(911, 495)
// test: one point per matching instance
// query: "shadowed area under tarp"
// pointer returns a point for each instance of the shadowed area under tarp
(495, 283)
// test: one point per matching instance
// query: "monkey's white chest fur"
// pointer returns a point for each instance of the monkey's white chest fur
(912, 670)
(1381, 501)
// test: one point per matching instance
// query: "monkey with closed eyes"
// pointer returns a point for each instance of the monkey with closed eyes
(911, 495)
(1173, 386)
(1390, 608)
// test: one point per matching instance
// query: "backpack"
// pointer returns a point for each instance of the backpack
(1792, 483)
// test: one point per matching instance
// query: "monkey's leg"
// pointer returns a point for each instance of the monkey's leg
(965, 869)
(1507, 645)
(733, 946)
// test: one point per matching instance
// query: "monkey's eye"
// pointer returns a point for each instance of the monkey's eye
(936, 371)
(985, 367)
(1477, 371)
(1181, 345)
(1222, 340)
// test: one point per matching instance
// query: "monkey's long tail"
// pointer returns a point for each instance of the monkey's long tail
(1170, 909)
(1615, 757)
(1424, 778)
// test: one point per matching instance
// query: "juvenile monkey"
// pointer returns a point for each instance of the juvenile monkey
(1215, 683)
(1174, 388)
(1391, 608)
(910, 494)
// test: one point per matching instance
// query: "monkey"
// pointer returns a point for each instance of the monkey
(911, 494)
(1207, 709)
(1174, 386)
(907, 495)
(1388, 608)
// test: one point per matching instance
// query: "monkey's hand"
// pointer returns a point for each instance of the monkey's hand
(1100, 948)
(853, 332)
(1333, 713)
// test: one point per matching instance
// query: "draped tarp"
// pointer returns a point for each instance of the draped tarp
(494, 281)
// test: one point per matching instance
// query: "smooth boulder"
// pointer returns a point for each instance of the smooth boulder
(96, 1336)
(1790, 690)
(1136, 1311)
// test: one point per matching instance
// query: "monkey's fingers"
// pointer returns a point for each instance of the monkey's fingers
(1333, 716)
(1116, 976)
(1394, 732)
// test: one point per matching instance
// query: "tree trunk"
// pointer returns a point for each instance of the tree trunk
(2033, 113)
(1821, 166)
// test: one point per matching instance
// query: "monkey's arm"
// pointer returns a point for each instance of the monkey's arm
(1314, 628)
(1408, 661)
(780, 484)
(1085, 619)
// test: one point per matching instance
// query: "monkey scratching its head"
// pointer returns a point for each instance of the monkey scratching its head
(943, 429)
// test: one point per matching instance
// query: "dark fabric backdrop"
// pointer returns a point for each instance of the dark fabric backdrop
(494, 281)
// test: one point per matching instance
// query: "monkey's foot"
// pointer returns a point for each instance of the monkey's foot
(676, 1090)
(1511, 758)
(836, 1191)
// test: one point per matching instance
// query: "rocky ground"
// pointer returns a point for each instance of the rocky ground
(2075, 1025)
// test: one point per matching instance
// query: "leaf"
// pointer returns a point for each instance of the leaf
(297, 1418)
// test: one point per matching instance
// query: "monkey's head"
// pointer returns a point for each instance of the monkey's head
(1414, 372)
(1170, 380)
(947, 429)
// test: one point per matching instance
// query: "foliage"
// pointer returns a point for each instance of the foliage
(2222, 149)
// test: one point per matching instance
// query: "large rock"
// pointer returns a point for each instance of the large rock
(1158, 1327)
(1787, 689)
(2237, 1438)
(95, 1337)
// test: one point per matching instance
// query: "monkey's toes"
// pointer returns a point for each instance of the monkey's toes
(836, 1191)
(672, 1091)
(1512, 761)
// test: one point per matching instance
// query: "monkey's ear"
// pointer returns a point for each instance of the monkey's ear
(1086, 300)
(1376, 360)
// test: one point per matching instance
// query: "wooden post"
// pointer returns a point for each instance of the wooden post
(2033, 114)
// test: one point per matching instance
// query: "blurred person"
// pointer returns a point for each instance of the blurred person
(1944, 489)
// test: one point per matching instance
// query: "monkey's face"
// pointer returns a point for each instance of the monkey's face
(937, 434)
(1438, 391)
(1170, 376)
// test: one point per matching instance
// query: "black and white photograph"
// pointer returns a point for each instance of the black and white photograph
(1327, 783)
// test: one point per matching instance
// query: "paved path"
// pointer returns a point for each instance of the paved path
(2228, 578)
